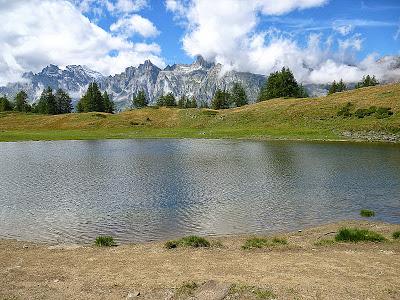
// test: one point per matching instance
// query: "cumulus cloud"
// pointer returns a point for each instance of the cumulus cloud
(228, 32)
(114, 7)
(133, 24)
(56, 32)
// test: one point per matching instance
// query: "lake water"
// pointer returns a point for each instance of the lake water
(142, 190)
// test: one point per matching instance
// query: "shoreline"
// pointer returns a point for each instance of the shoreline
(299, 270)
(250, 139)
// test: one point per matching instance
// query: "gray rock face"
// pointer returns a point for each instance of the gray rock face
(199, 79)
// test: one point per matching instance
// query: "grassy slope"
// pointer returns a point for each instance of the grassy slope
(279, 118)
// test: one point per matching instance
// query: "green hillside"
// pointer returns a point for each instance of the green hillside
(308, 119)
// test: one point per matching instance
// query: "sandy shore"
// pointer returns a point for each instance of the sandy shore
(298, 270)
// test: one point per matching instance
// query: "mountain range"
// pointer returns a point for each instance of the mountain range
(199, 79)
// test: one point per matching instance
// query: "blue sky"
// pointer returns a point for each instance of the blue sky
(320, 40)
(377, 22)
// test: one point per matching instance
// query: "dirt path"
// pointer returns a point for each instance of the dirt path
(299, 270)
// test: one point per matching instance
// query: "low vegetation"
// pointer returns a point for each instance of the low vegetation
(305, 119)
(189, 241)
(396, 235)
(242, 291)
(257, 242)
(186, 290)
(377, 112)
(358, 235)
(105, 241)
(325, 242)
(367, 213)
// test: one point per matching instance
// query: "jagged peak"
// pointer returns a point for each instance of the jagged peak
(200, 61)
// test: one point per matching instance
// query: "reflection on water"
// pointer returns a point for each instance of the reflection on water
(141, 190)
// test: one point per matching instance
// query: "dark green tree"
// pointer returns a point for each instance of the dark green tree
(238, 95)
(192, 103)
(92, 100)
(140, 100)
(182, 102)
(280, 84)
(63, 102)
(47, 103)
(5, 105)
(367, 81)
(21, 103)
(167, 100)
(337, 87)
(204, 104)
(108, 103)
(221, 100)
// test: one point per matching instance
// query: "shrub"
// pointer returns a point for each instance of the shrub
(396, 235)
(189, 241)
(345, 110)
(367, 213)
(383, 112)
(358, 235)
(105, 241)
(257, 242)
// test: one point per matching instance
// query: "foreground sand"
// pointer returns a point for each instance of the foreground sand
(299, 270)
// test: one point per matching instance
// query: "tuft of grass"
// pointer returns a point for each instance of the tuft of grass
(256, 242)
(358, 235)
(246, 291)
(105, 241)
(189, 241)
(367, 213)
(396, 235)
(325, 242)
(186, 290)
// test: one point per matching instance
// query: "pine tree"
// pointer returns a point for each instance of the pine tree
(280, 84)
(5, 105)
(221, 100)
(92, 100)
(21, 103)
(367, 81)
(140, 100)
(47, 103)
(167, 100)
(108, 103)
(193, 103)
(238, 95)
(63, 102)
(333, 88)
(182, 102)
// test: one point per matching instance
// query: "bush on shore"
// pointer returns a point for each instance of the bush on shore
(358, 235)
(189, 241)
(367, 213)
(105, 241)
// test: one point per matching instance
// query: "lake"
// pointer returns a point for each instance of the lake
(143, 190)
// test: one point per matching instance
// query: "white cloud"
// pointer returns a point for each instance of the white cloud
(133, 24)
(56, 32)
(228, 32)
(343, 29)
(118, 7)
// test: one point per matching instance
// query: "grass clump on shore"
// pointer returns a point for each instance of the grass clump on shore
(105, 241)
(257, 242)
(367, 213)
(186, 290)
(189, 241)
(396, 235)
(250, 292)
(358, 235)
(325, 242)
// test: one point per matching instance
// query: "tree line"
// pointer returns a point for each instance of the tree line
(280, 84)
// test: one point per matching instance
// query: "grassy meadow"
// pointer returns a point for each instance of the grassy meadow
(305, 119)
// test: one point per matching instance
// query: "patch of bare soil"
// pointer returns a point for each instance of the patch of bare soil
(299, 270)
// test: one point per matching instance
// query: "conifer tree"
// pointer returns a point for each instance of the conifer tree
(5, 105)
(63, 102)
(21, 103)
(238, 95)
(140, 100)
(108, 103)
